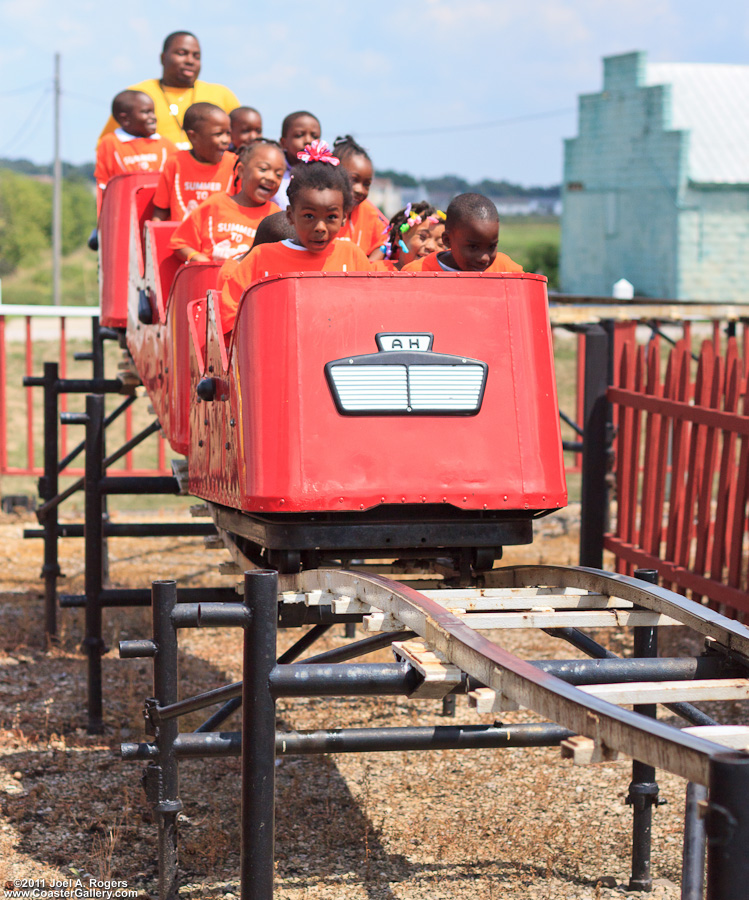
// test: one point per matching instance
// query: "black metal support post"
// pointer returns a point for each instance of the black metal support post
(728, 827)
(258, 736)
(693, 856)
(643, 789)
(48, 487)
(97, 370)
(167, 804)
(594, 490)
(97, 349)
(93, 643)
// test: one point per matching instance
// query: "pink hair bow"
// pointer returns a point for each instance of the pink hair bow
(318, 151)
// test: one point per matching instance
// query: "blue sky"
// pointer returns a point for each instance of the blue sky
(482, 88)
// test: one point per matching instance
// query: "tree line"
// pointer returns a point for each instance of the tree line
(26, 213)
(454, 184)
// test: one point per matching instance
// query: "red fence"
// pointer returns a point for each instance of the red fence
(29, 336)
(682, 470)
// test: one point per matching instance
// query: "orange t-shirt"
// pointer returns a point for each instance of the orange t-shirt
(220, 227)
(366, 226)
(185, 183)
(283, 256)
(502, 263)
(120, 153)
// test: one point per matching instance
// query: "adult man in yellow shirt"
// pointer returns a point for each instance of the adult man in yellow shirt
(178, 88)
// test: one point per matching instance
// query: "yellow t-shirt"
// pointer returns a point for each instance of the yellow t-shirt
(168, 121)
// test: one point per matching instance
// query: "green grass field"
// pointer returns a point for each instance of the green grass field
(532, 241)
(518, 233)
(33, 284)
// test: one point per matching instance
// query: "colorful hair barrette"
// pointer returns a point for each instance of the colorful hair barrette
(318, 151)
(412, 220)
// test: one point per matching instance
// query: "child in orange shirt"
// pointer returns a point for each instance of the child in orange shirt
(191, 176)
(366, 225)
(224, 227)
(415, 232)
(320, 197)
(246, 126)
(470, 238)
(297, 130)
(134, 146)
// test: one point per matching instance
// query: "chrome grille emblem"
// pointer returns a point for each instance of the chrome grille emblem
(407, 378)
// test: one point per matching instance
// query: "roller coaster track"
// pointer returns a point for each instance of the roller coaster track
(448, 641)
(450, 623)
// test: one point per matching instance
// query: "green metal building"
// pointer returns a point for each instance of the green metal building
(656, 184)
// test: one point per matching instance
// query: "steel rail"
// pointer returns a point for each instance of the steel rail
(640, 737)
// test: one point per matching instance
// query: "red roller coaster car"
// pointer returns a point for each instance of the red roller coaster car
(351, 415)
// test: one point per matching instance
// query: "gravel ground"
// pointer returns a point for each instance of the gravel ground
(439, 825)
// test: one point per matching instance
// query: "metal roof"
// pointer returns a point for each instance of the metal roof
(712, 103)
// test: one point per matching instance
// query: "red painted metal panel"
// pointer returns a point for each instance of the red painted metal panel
(3, 401)
(63, 374)
(128, 203)
(680, 388)
(686, 580)
(680, 409)
(627, 460)
(694, 469)
(653, 484)
(708, 443)
(738, 525)
(29, 355)
(160, 351)
(727, 472)
(191, 283)
(712, 392)
(293, 450)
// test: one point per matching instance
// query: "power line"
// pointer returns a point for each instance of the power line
(27, 123)
(23, 90)
(475, 127)
(97, 100)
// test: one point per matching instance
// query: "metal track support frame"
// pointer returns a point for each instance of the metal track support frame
(167, 804)
(728, 827)
(258, 792)
(643, 789)
(93, 643)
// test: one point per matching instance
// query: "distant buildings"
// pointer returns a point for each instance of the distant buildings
(385, 195)
(656, 185)
(390, 198)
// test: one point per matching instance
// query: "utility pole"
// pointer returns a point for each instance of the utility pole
(57, 195)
